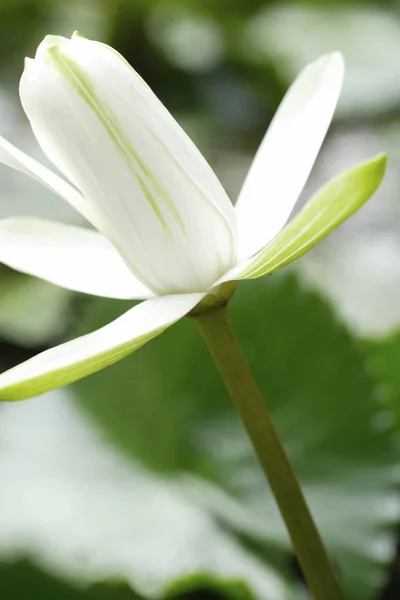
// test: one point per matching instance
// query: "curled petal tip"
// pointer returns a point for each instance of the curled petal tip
(49, 42)
(27, 60)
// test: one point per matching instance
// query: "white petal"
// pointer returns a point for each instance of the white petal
(287, 153)
(14, 158)
(159, 201)
(84, 355)
(71, 257)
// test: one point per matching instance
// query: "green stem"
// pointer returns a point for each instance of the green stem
(307, 543)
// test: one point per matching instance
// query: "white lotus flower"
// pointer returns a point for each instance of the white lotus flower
(166, 230)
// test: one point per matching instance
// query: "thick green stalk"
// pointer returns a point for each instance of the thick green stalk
(307, 543)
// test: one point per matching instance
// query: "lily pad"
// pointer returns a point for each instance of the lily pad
(167, 409)
(80, 510)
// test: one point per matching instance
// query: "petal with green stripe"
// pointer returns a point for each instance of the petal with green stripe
(156, 198)
(84, 355)
(327, 209)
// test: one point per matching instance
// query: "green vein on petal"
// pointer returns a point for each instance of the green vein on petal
(80, 81)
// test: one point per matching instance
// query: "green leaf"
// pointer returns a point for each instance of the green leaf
(167, 408)
(383, 360)
(335, 202)
(23, 581)
(82, 511)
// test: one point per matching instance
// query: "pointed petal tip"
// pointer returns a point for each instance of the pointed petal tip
(381, 157)
(335, 56)
(329, 65)
(337, 59)
(27, 60)
(297, 130)
(77, 34)
(380, 163)
(49, 42)
(29, 65)
(331, 61)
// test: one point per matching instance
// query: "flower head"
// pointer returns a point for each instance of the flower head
(166, 230)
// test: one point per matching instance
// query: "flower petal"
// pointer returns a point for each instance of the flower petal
(71, 257)
(14, 158)
(84, 355)
(287, 153)
(328, 208)
(158, 200)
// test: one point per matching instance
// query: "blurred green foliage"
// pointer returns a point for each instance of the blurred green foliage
(22, 581)
(172, 414)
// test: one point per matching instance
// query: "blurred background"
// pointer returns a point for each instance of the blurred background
(139, 481)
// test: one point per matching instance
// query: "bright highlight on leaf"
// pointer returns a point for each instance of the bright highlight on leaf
(166, 229)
